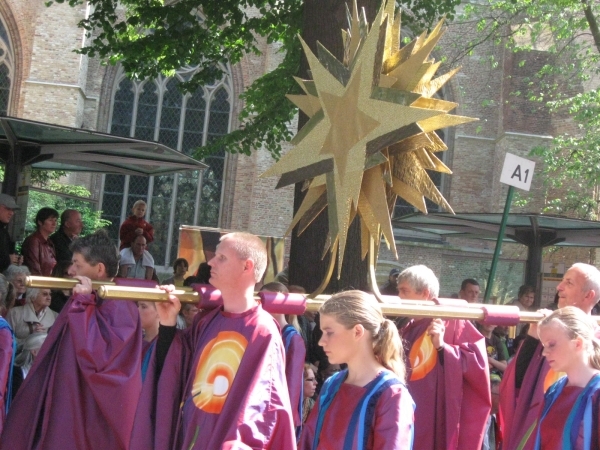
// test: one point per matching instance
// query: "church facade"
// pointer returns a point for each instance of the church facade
(42, 79)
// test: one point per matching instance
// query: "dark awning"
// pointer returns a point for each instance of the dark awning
(53, 147)
(535, 231)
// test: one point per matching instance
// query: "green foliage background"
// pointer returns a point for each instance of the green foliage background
(37, 200)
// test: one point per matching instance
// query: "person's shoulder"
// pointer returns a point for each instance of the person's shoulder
(15, 311)
(58, 236)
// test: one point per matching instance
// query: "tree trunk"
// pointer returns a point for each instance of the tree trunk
(323, 22)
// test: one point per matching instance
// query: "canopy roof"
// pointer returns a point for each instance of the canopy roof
(536, 231)
(520, 228)
(53, 147)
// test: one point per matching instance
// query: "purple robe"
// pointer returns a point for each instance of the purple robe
(84, 385)
(453, 399)
(295, 354)
(391, 425)
(6, 355)
(222, 386)
(520, 408)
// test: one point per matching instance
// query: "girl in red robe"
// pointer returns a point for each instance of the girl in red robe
(569, 417)
(366, 406)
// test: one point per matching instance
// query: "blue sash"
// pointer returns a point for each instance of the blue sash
(362, 417)
(146, 360)
(4, 325)
(580, 413)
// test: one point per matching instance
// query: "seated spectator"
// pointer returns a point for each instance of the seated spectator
(188, 312)
(524, 302)
(202, 275)
(33, 317)
(525, 298)
(23, 362)
(17, 275)
(59, 296)
(8, 255)
(310, 387)
(502, 333)
(70, 228)
(38, 251)
(325, 370)
(135, 225)
(180, 268)
(469, 290)
(136, 261)
(391, 286)
(497, 354)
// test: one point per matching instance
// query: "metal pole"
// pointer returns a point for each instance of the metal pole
(490, 283)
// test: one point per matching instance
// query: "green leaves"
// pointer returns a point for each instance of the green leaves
(148, 37)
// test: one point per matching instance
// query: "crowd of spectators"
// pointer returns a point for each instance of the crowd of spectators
(32, 312)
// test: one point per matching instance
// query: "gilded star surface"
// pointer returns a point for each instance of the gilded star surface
(371, 131)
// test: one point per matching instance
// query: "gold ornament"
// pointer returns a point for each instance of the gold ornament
(371, 132)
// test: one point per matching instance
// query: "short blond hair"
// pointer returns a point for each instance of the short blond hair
(249, 246)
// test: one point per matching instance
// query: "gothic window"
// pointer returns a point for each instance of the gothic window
(157, 110)
(6, 69)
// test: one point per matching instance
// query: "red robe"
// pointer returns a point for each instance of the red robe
(519, 408)
(222, 386)
(453, 398)
(84, 385)
(392, 421)
(127, 232)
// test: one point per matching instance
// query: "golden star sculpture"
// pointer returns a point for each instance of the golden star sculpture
(371, 132)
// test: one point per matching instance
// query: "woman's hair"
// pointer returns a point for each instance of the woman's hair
(61, 269)
(43, 214)
(31, 294)
(178, 262)
(577, 324)
(13, 270)
(352, 308)
(525, 289)
(309, 366)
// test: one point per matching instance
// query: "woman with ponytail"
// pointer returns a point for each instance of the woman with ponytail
(569, 418)
(366, 406)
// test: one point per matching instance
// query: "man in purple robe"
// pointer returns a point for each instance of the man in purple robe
(528, 375)
(448, 374)
(83, 388)
(221, 382)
